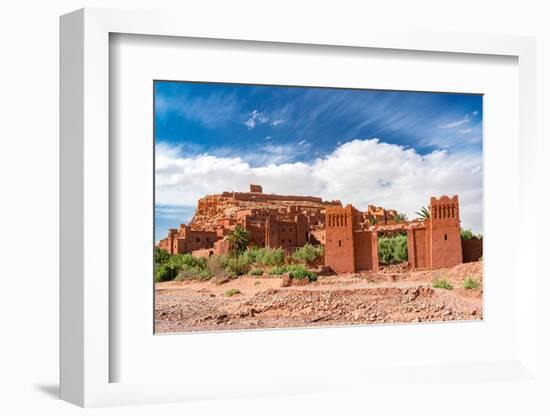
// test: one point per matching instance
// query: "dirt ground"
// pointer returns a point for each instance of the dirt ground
(392, 295)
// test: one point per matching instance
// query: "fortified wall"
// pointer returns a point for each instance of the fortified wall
(350, 236)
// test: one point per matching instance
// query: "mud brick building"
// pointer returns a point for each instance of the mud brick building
(350, 236)
(186, 240)
(352, 245)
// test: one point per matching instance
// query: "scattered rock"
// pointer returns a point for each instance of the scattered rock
(286, 280)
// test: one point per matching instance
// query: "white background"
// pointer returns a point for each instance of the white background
(29, 208)
(139, 60)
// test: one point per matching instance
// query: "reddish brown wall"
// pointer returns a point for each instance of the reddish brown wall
(363, 250)
(472, 250)
(339, 245)
(418, 256)
(283, 234)
(444, 233)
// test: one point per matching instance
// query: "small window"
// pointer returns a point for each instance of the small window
(339, 243)
(198, 240)
(445, 237)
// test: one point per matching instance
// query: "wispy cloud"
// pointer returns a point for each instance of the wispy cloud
(456, 123)
(255, 118)
(212, 110)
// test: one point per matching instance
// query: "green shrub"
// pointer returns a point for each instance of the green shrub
(256, 272)
(271, 257)
(237, 266)
(468, 234)
(232, 292)
(166, 272)
(278, 270)
(469, 283)
(441, 283)
(188, 261)
(297, 271)
(215, 265)
(161, 256)
(392, 249)
(308, 253)
(264, 256)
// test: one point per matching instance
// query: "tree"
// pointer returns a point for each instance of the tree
(161, 256)
(400, 217)
(423, 214)
(239, 239)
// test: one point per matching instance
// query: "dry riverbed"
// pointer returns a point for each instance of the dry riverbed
(392, 295)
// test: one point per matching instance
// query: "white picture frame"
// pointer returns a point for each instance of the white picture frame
(85, 207)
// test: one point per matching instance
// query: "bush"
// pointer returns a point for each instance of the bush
(161, 256)
(470, 283)
(188, 261)
(300, 272)
(296, 271)
(308, 253)
(232, 292)
(265, 256)
(187, 273)
(392, 249)
(257, 272)
(166, 272)
(441, 283)
(180, 267)
(215, 265)
(468, 234)
(276, 271)
(237, 266)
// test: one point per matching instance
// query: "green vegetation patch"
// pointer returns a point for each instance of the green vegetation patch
(392, 249)
(441, 283)
(308, 253)
(470, 283)
(232, 292)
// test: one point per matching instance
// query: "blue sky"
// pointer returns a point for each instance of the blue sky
(256, 132)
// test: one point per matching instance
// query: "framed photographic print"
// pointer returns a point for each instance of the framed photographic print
(323, 209)
(318, 249)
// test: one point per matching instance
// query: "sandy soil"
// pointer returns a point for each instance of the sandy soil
(393, 295)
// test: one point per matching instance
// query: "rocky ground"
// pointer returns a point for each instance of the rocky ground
(392, 295)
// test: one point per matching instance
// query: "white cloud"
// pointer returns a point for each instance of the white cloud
(255, 118)
(457, 123)
(213, 110)
(360, 172)
(276, 122)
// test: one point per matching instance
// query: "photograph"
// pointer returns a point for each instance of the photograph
(282, 206)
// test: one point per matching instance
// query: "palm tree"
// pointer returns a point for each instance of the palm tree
(400, 217)
(239, 239)
(423, 214)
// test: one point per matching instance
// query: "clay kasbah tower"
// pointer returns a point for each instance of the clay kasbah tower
(350, 236)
